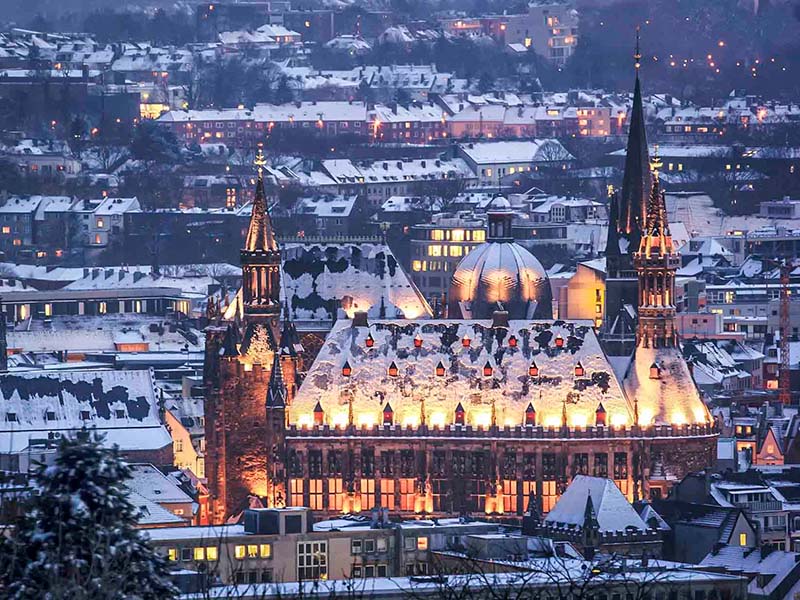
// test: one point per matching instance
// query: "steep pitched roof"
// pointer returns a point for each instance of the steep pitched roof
(636, 180)
(260, 234)
(613, 511)
(276, 390)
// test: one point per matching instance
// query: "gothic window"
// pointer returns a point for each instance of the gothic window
(479, 465)
(459, 464)
(580, 464)
(296, 463)
(529, 466)
(314, 463)
(548, 466)
(387, 460)
(601, 465)
(407, 463)
(620, 465)
(334, 462)
(508, 469)
(439, 461)
(368, 462)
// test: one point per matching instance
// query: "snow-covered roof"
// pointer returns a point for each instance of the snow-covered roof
(509, 387)
(752, 561)
(151, 483)
(614, 512)
(120, 404)
(326, 206)
(530, 151)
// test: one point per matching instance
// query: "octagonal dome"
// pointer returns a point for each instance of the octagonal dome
(500, 275)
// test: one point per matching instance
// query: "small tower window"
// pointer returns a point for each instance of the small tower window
(530, 415)
(465, 341)
(388, 415)
(600, 416)
(417, 341)
(579, 370)
(460, 414)
(533, 370)
(440, 369)
(370, 341)
(319, 415)
(655, 371)
(487, 370)
(559, 341)
(393, 371)
(512, 342)
(347, 370)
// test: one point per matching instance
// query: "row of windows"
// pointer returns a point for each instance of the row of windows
(370, 571)
(198, 553)
(458, 235)
(85, 415)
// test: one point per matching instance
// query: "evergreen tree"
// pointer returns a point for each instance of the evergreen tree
(77, 537)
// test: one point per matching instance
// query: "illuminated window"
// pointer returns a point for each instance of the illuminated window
(6, 229)
(367, 494)
(100, 223)
(528, 42)
(17, 242)
(296, 492)
(743, 539)
(172, 554)
(314, 494)
(335, 494)
(488, 172)
(434, 250)
(457, 235)
(416, 265)
(230, 197)
(407, 493)
(265, 550)
(479, 235)
(102, 308)
(312, 560)
(437, 235)
(48, 310)
(98, 239)
(422, 543)
(387, 493)
(456, 250)
(239, 552)
(200, 553)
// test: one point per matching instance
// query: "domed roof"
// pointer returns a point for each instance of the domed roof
(500, 274)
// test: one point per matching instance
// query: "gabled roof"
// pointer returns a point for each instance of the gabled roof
(613, 511)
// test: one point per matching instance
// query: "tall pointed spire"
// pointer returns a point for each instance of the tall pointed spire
(260, 235)
(636, 180)
(656, 264)
(276, 390)
(261, 261)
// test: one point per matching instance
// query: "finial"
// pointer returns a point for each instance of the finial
(655, 163)
(260, 162)
(637, 53)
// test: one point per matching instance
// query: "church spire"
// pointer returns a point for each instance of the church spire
(261, 261)
(656, 263)
(630, 212)
(276, 390)
(260, 235)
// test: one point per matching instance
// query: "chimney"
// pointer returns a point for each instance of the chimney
(500, 318)
(360, 319)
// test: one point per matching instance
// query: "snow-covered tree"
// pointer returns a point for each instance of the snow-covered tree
(77, 537)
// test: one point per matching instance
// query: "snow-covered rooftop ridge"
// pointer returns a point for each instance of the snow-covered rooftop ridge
(557, 348)
(613, 511)
(120, 404)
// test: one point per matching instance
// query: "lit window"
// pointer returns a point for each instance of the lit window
(102, 308)
(743, 539)
(212, 553)
(456, 250)
(252, 551)
(265, 550)
(457, 235)
(437, 235)
(48, 310)
(97, 239)
(434, 250)
(172, 554)
(422, 543)
(100, 223)
(200, 553)
(416, 265)
(478, 235)
(6, 229)
(17, 242)
(239, 552)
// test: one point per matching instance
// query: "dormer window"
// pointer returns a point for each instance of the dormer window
(11, 417)
(655, 371)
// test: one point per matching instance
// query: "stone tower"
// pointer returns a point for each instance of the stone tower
(244, 420)
(656, 263)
